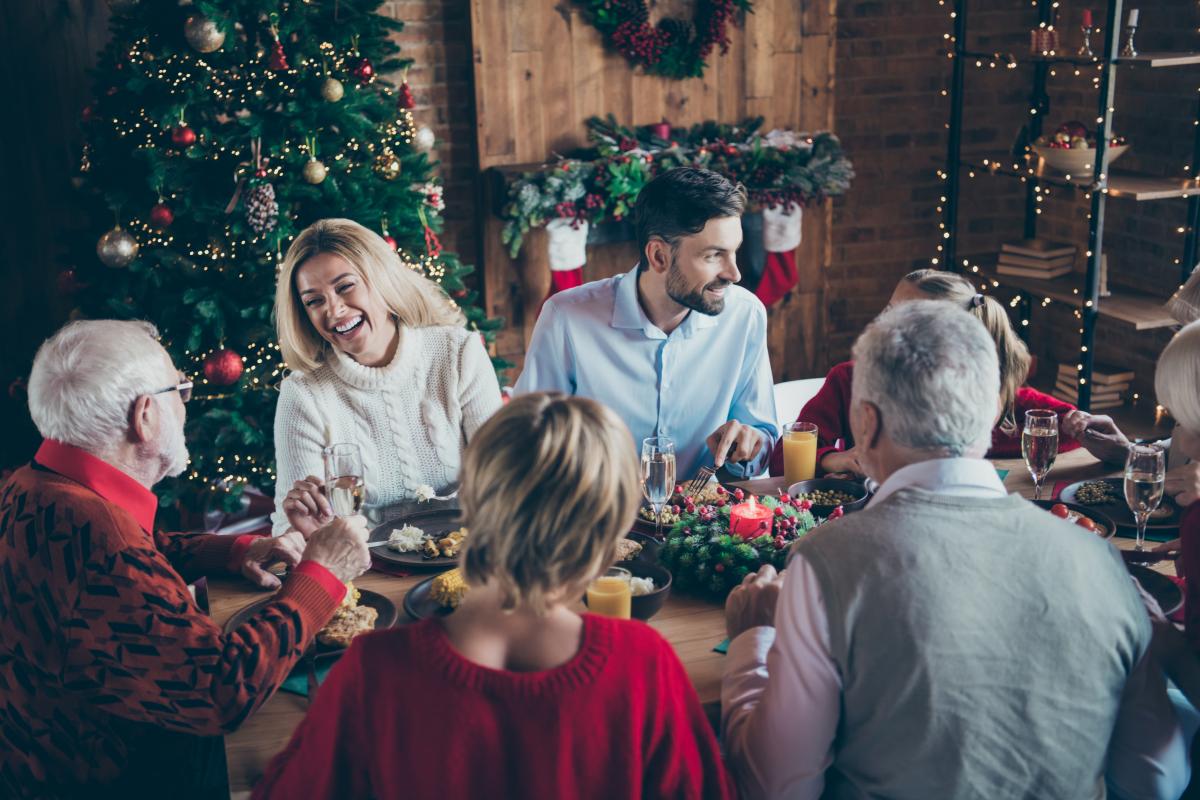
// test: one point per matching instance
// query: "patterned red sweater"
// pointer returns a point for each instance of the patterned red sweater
(829, 410)
(404, 715)
(101, 644)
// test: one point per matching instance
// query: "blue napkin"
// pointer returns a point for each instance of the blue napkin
(722, 648)
(1003, 473)
(297, 682)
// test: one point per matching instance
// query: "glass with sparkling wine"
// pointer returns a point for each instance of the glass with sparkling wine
(1039, 445)
(1145, 474)
(658, 475)
(344, 484)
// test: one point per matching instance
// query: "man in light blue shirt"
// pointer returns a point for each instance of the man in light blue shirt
(672, 345)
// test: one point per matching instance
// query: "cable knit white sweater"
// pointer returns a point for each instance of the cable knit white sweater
(411, 418)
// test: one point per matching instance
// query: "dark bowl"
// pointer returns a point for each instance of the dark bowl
(1101, 519)
(650, 547)
(853, 488)
(645, 606)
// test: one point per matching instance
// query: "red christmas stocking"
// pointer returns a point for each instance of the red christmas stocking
(779, 276)
(781, 237)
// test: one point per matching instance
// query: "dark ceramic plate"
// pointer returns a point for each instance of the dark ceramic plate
(1119, 512)
(855, 489)
(435, 522)
(419, 605)
(1100, 519)
(1160, 587)
(386, 619)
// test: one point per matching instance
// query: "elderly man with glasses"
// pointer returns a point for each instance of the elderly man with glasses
(111, 678)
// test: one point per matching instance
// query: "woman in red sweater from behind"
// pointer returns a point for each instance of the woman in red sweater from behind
(515, 694)
(829, 410)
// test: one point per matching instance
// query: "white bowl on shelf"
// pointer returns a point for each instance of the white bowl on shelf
(1077, 161)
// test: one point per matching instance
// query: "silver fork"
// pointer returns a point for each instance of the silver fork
(701, 480)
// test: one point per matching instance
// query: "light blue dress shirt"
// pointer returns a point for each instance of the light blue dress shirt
(596, 341)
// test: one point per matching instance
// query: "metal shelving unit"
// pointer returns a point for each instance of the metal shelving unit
(1140, 310)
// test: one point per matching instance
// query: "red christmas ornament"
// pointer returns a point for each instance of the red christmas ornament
(183, 136)
(391, 242)
(406, 96)
(278, 59)
(363, 71)
(223, 367)
(161, 215)
(432, 246)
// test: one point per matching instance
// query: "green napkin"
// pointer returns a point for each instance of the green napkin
(722, 648)
(1003, 473)
(297, 682)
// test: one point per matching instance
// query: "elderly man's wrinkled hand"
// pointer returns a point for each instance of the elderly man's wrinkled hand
(306, 506)
(734, 442)
(341, 547)
(1098, 434)
(1183, 484)
(752, 604)
(265, 551)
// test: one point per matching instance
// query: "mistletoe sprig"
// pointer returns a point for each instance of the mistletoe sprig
(600, 184)
(674, 48)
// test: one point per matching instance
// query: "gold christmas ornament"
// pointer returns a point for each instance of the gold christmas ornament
(314, 171)
(203, 34)
(117, 248)
(332, 90)
(387, 165)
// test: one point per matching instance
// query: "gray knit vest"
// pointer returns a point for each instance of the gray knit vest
(983, 646)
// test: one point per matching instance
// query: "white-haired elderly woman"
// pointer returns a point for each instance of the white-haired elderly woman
(949, 640)
(379, 358)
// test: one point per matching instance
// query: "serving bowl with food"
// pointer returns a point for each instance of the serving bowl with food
(1087, 518)
(1072, 149)
(826, 494)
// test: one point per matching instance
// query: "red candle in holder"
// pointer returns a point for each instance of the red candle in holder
(750, 520)
(662, 130)
(1087, 18)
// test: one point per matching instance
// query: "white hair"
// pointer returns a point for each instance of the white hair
(86, 376)
(1177, 377)
(931, 370)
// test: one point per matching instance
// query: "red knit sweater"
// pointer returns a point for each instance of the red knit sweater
(829, 410)
(101, 645)
(404, 715)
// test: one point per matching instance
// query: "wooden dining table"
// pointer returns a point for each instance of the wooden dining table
(692, 625)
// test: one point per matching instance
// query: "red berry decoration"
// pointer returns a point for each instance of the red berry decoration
(837, 513)
(784, 497)
(183, 136)
(391, 242)
(779, 511)
(678, 488)
(363, 71)
(720, 490)
(720, 502)
(223, 367)
(406, 100)
(739, 495)
(805, 505)
(161, 215)
(719, 568)
(278, 59)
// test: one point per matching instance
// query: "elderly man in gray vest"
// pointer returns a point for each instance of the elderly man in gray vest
(950, 640)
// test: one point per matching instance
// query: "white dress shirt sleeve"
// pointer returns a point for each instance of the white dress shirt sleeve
(781, 696)
(549, 361)
(754, 403)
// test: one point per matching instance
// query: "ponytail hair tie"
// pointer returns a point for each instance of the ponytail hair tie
(977, 301)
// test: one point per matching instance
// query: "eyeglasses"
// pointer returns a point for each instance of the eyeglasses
(184, 387)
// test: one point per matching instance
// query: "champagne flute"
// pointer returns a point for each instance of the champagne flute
(1039, 445)
(658, 475)
(1145, 474)
(344, 482)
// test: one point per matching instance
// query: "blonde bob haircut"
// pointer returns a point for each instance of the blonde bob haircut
(549, 486)
(1177, 377)
(1012, 352)
(413, 300)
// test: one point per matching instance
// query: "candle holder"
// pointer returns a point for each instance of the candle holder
(1129, 50)
(1085, 49)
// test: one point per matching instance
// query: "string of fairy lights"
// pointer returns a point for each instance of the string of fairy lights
(1025, 172)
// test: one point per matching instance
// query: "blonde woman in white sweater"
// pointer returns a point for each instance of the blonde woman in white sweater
(379, 357)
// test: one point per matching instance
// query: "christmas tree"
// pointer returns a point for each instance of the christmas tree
(220, 129)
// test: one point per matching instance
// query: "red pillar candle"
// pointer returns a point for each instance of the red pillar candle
(662, 130)
(750, 520)
(1087, 18)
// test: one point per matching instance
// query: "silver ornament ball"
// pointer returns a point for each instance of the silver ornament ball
(424, 139)
(117, 248)
(332, 90)
(314, 171)
(203, 34)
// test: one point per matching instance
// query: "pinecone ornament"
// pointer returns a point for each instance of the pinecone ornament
(262, 212)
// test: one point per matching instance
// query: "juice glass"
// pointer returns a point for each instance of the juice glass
(609, 594)
(799, 452)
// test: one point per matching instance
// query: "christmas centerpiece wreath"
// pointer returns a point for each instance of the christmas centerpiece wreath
(674, 48)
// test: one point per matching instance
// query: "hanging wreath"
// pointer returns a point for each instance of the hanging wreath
(674, 48)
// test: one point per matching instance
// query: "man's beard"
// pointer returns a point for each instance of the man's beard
(686, 296)
(173, 458)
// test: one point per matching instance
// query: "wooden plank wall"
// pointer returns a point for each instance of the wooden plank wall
(541, 70)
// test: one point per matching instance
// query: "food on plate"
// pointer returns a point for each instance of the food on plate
(1082, 520)
(827, 497)
(1165, 509)
(349, 620)
(406, 540)
(641, 586)
(628, 549)
(446, 547)
(713, 493)
(1097, 493)
(449, 588)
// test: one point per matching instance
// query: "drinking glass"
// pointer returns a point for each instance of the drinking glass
(799, 452)
(610, 595)
(1039, 445)
(1145, 474)
(658, 475)
(344, 484)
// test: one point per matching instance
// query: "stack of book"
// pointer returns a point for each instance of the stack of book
(1109, 385)
(1036, 258)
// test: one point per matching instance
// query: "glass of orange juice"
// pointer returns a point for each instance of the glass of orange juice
(799, 452)
(609, 594)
